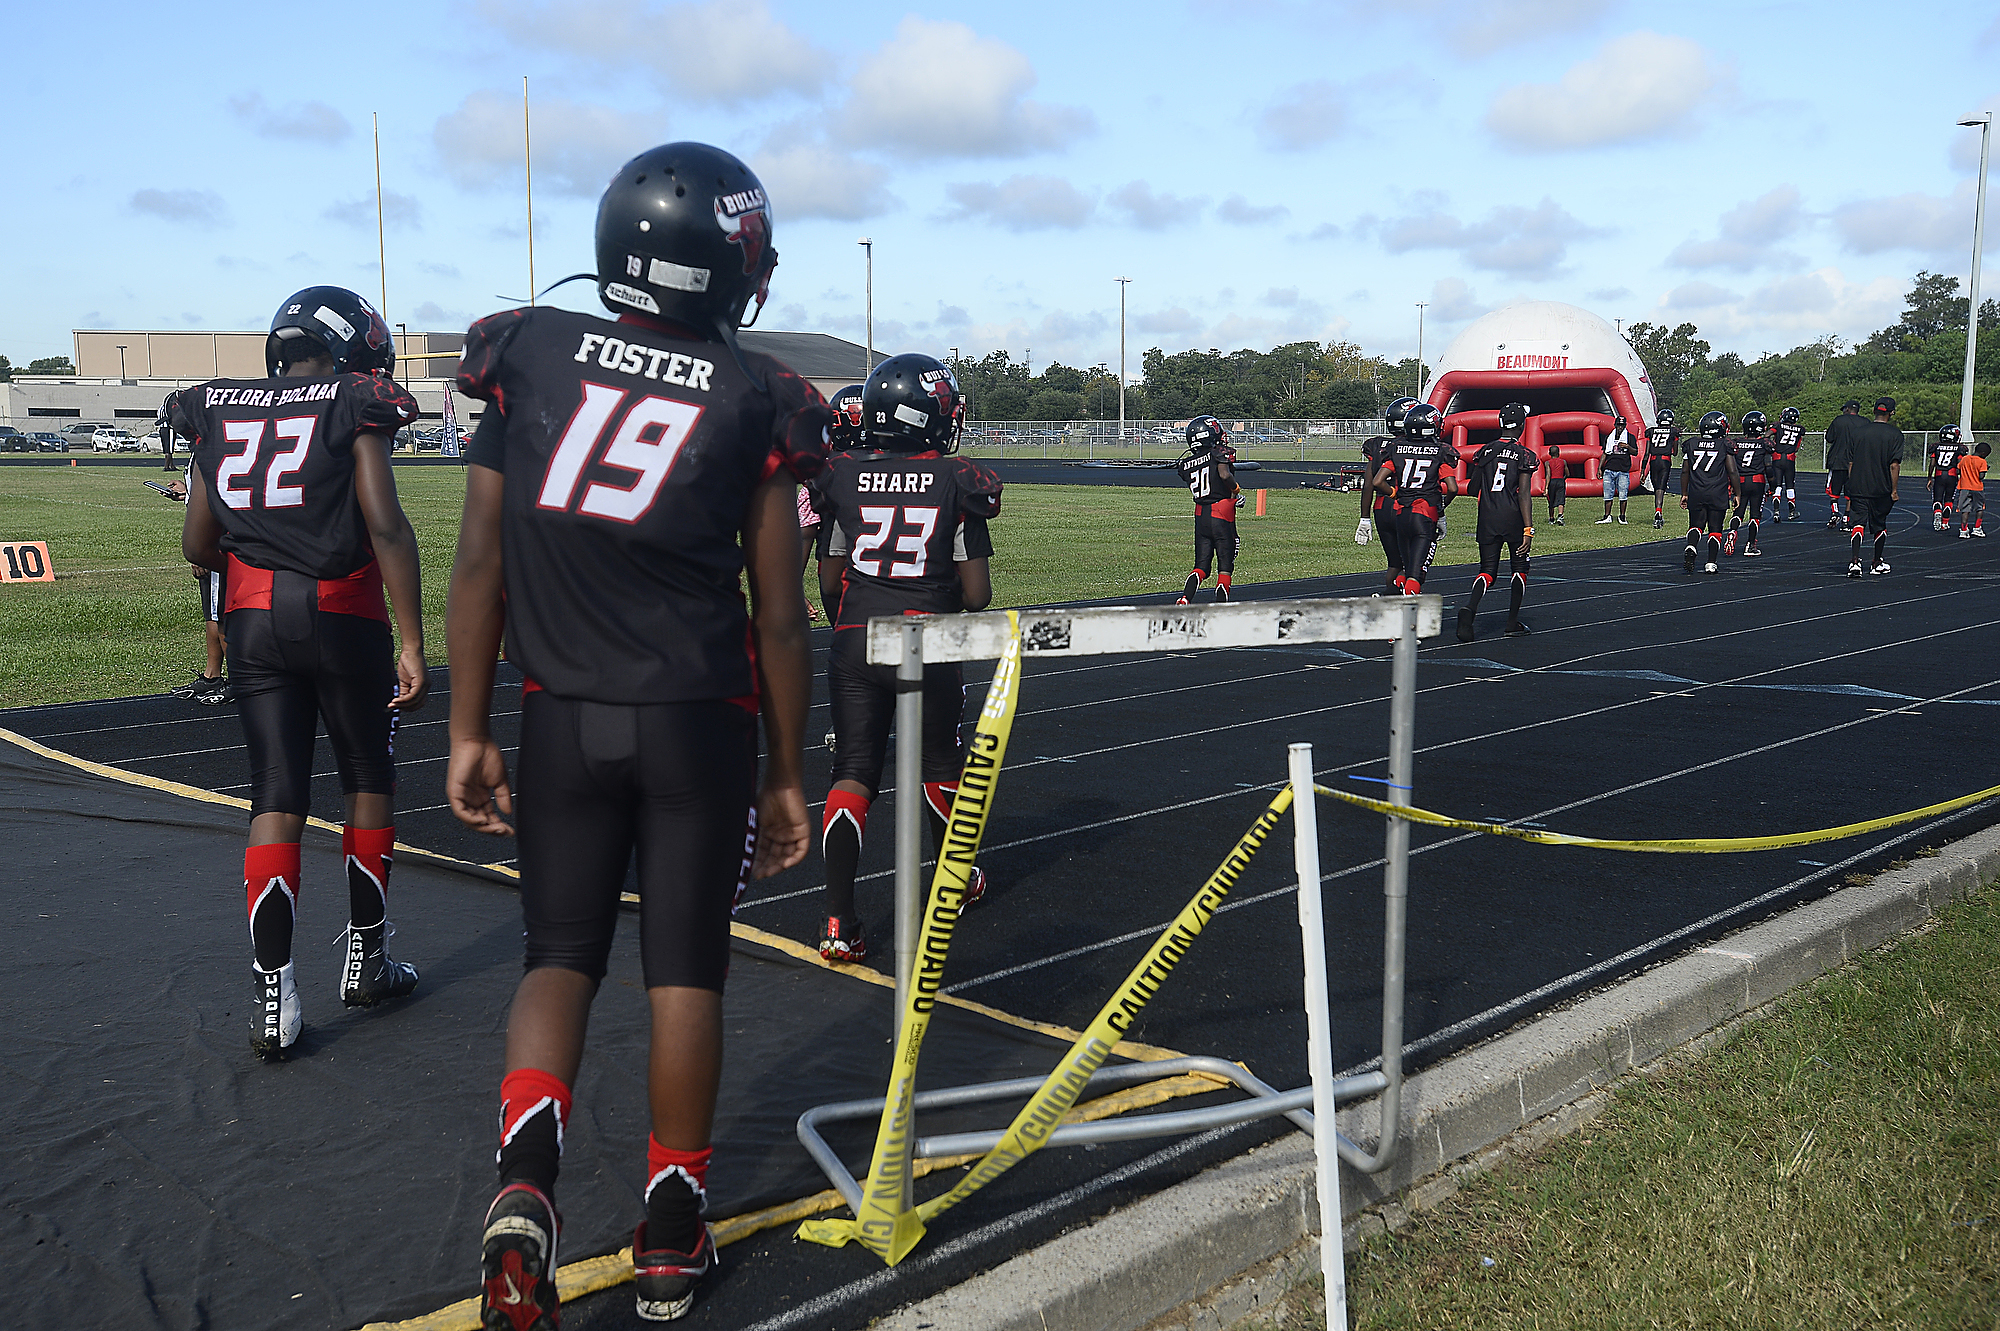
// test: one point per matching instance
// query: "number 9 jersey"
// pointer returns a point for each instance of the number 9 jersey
(631, 455)
(908, 518)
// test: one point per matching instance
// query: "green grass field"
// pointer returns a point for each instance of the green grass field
(1835, 1165)
(122, 616)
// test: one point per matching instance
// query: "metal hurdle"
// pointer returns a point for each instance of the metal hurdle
(909, 642)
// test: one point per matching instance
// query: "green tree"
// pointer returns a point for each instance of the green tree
(1932, 306)
(6, 370)
(1727, 396)
(1055, 404)
(1670, 356)
(56, 365)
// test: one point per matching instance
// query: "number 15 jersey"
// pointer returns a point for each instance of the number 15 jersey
(907, 519)
(630, 455)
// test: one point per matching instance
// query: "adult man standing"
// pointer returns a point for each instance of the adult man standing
(1839, 450)
(1619, 449)
(1875, 465)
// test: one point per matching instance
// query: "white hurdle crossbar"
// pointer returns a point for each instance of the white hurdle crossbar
(912, 641)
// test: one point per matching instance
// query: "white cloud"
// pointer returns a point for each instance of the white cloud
(808, 177)
(1640, 86)
(724, 51)
(1748, 234)
(307, 122)
(1153, 212)
(1482, 26)
(1921, 222)
(180, 205)
(1175, 320)
(1452, 301)
(1698, 296)
(577, 144)
(1305, 115)
(1238, 211)
(1528, 242)
(1020, 203)
(400, 212)
(940, 87)
(435, 318)
(1608, 294)
(1282, 297)
(1788, 309)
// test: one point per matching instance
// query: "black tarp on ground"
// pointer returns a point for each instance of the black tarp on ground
(158, 1176)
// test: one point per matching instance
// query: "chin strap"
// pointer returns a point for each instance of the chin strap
(573, 277)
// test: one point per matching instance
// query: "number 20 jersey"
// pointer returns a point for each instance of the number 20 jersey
(630, 455)
(278, 455)
(906, 517)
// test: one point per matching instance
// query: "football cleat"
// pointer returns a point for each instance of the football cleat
(1659, 520)
(199, 684)
(1879, 569)
(214, 693)
(370, 977)
(1854, 569)
(1222, 596)
(1751, 552)
(1465, 618)
(1516, 629)
(1937, 519)
(1711, 568)
(842, 941)
(975, 886)
(665, 1277)
(275, 1020)
(517, 1262)
(1979, 532)
(1181, 600)
(1729, 542)
(1833, 523)
(1964, 535)
(1687, 559)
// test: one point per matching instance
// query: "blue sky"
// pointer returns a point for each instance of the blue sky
(1263, 171)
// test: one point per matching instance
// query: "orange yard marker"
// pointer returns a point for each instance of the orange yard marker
(1260, 502)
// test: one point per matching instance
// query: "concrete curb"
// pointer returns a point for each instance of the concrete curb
(1158, 1255)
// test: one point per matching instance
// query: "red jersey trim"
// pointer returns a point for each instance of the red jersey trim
(359, 593)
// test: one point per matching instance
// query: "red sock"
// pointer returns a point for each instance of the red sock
(661, 1163)
(271, 896)
(855, 807)
(534, 1108)
(367, 852)
(1222, 579)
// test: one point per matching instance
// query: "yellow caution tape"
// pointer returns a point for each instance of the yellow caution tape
(1029, 1131)
(881, 1223)
(1696, 846)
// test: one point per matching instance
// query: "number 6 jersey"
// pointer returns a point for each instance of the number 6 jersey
(631, 454)
(907, 519)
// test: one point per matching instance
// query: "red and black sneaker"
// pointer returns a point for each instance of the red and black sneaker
(666, 1278)
(975, 886)
(842, 941)
(517, 1262)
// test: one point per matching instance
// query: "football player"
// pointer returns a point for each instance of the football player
(1557, 490)
(1663, 440)
(845, 434)
(1945, 454)
(210, 687)
(1753, 462)
(1708, 484)
(1211, 481)
(1838, 449)
(1416, 475)
(1375, 509)
(292, 494)
(1785, 438)
(624, 481)
(913, 515)
(1504, 471)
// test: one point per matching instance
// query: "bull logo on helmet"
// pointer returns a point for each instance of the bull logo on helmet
(942, 385)
(745, 219)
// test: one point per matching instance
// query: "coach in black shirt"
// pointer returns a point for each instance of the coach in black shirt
(1838, 451)
(1874, 466)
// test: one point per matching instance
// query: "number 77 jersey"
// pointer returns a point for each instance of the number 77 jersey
(907, 519)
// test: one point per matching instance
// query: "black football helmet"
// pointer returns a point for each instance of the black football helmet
(333, 321)
(684, 232)
(1789, 416)
(1397, 410)
(1948, 434)
(1423, 421)
(1754, 424)
(846, 406)
(1667, 418)
(1513, 416)
(912, 404)
(1205, 434)
(1714, 425)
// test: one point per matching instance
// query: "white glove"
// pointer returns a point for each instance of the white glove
(1364, 533)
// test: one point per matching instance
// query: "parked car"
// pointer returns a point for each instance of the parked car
(13, 441)
(47, 442)
(111, 439)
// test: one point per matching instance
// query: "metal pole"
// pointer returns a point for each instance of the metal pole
(1319, 1035)
(1985, 124)
(868, 367)
(909, 809)
(381, 246)
(1396, 883)
(1420, 349)
(1123, 282)
(528, 171)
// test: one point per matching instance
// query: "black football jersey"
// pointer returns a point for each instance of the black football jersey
(1416, 468)
(1706, 465)
(631, 454)
(1497, 470)
(1214, 494)
(1944, 457)
(1785, 439)
(278, 455)
(906, 520)
(1662, 441)
(1375, 451)
(1753, 456)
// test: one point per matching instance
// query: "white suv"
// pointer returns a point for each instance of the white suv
(110, 439)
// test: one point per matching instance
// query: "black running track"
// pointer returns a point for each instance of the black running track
(1775, 696)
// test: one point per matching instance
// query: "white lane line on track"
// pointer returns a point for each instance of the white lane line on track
(402, 727)
(1153, 931)
(400, 764)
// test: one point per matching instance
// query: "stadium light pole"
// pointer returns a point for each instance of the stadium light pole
(1420, 349)
(1123, 282)
(121, 360)
(381, 245)
(528, 182)
(1985, 124)
(868, 365)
